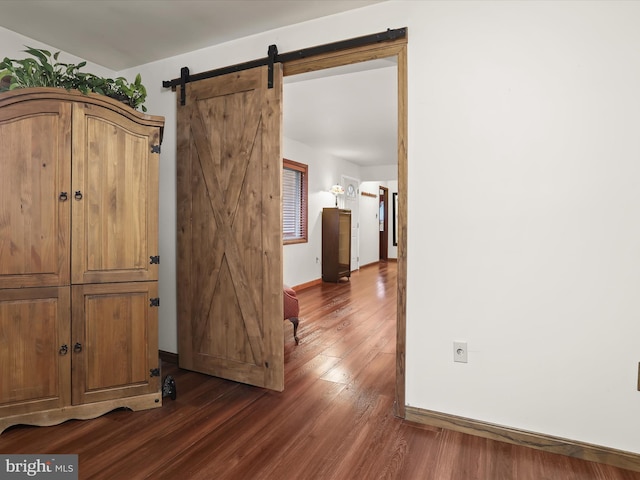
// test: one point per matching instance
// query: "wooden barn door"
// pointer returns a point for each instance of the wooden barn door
(229, 174)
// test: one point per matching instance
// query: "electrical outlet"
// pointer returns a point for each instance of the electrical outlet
(460, 352)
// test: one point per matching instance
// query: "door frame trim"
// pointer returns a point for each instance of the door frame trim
(396, 48)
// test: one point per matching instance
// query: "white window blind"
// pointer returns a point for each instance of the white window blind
(294, 202)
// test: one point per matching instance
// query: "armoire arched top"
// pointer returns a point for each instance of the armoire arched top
(19, 95)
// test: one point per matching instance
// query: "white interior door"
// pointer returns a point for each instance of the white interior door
(352, 202)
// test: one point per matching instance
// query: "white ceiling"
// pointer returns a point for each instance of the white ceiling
(351, 114)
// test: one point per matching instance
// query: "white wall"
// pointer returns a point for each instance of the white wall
(523, 205)
(14, 44)
(523, 215)
(369, 224)
(523, 121)
(380, 172)
(302, 262)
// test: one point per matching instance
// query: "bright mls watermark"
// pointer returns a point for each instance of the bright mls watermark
(50, 467)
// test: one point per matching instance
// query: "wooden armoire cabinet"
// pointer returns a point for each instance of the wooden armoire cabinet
(336, 244)
(78, 257)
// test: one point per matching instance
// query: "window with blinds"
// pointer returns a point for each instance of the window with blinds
(294, 202)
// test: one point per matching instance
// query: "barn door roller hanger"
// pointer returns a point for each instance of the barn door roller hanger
(274, 57)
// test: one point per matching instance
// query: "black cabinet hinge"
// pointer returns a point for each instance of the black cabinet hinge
(154, 302)
(154, 372)
(155, 148)
(154, 259)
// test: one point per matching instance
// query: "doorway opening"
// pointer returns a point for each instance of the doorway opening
(359, 57)
(383, 221)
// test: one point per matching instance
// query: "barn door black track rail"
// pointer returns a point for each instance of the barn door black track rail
(274, 57)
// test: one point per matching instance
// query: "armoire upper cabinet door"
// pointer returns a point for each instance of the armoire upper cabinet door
(114, 197)
(35, 166)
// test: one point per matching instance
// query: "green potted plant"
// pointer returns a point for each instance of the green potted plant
(43, 69)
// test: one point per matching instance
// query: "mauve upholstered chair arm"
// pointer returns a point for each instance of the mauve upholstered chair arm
(291, 307)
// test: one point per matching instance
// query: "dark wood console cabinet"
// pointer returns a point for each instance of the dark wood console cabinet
(336, 244)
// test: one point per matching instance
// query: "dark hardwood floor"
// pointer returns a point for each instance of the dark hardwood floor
(333, 421)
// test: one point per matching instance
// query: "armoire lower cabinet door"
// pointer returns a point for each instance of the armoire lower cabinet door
(35, 358)
(114, 341)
